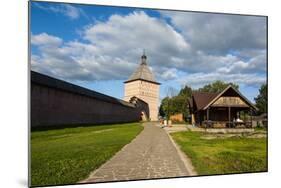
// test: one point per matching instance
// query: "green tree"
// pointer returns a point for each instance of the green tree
(186, 91)
(261, 99)
(217, 86)
(163, 110)
(175, 103)
(184, 94)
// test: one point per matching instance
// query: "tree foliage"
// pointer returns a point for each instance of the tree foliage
(176, 103)
(217, 86)
(261, 99)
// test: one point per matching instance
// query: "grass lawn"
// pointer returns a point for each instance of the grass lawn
(66, 156)
(223, 155)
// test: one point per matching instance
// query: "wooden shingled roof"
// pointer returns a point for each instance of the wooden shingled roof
(202, 100)
(142, 73)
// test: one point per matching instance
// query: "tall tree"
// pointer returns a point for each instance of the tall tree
(163, 110)
(170, 106)
(261, 99)
(186, 91)
(184, 94)
(217, 86)
(175, 102)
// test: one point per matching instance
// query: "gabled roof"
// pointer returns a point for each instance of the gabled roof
(203, 100)
(226, 89)
(142, 73)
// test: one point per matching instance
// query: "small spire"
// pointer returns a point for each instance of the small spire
(143, 58)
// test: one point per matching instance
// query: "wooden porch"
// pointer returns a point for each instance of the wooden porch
(226, 117)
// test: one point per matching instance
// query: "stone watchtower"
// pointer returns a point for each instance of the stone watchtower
(142, 84)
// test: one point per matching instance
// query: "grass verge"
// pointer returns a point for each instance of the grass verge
(223, 155)
(66, 156)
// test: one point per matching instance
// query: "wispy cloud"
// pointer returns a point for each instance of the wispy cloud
(197, 80)
(67, 10)
(43, 39)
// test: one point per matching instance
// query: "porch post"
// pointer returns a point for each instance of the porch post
(192, 119)
(207, 114)
(229, 118)
(251, 112)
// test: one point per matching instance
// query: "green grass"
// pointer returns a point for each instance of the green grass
(66, 156)
(223, 155)
(260, 129)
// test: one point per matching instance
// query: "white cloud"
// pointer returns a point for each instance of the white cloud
(71, 11)
(45, 40)
(169, 74)
(67, 10)
(218, 33)
(76, 61)
(253, 65)
(106, 55)
(135, 30)
(201, 54)
(197, 80)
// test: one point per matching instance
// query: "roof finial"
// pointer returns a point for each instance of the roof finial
(143, 58)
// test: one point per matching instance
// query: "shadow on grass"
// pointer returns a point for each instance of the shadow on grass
(63, 126)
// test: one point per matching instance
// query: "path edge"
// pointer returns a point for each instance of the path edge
(185, 159)
(86, 180)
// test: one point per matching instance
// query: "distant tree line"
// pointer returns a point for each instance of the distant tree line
(175, 103)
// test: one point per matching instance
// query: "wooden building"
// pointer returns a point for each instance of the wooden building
(177, 117)
(228, 108)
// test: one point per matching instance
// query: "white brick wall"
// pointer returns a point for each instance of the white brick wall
(147, 91)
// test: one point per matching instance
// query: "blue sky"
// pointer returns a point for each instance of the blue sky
(98, 47)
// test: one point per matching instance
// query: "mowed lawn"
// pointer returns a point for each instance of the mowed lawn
(223, 155)
(66, 156)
